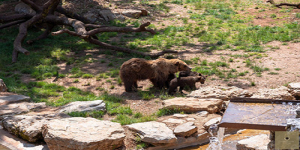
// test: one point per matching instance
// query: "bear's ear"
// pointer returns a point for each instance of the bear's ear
(177, 63)
(200, 74)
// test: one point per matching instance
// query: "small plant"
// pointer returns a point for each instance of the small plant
(146, 95)
(100, 88)
(273, 16)
(273, 73)
(87, 76)
(277, 69)
(165, 111)
(76, 81)
(253, 83)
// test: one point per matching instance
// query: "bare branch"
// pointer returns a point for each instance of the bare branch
(15, 17)
(127, 50)
(12, 23)
(44, 35)
(142, 28)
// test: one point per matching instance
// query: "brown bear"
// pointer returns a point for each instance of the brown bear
(188, 81)
(157, 71)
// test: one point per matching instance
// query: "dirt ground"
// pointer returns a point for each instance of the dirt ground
(285, 57)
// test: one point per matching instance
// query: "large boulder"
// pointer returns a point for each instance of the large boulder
(220, 92)
(294, 89)
(153, 132)
(134, 13)
(29, 127)
(107, 15)
(22, 8)
(79, 133)
(3, 87)
(83, 106)
(256, 142)
(192, 105)
(277, 93)
(13, 99)
(18, 108)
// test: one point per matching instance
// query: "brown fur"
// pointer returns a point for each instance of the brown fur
(189, 81)
(157, 71)
(185, 74)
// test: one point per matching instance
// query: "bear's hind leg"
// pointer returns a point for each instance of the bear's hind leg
(129, 85)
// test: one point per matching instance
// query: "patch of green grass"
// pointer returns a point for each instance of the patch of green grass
(102, 75)
(127, 119)
(277, 69)
(165, 111)
(87, 76)
(146, 95)
(93, 114)
(273, 73)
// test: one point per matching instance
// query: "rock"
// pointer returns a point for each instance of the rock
(83, 106)
(121, 18)
(180, 115)
(294, 89)
(191, 105)
(278, 93)
(22, 8)
(190, 119)
(13, 99)
(185, 129)
(211, 122)
(134, 13)
(182, 142)
(79, 133)
(293, 123)
(18, 108)
(91, 17)
(174, 121)
(202, 113)
(256, 142)
(220, 92)
(153, 132)
(108, 15)
(3, 87)
(12, 142)
(29, 127)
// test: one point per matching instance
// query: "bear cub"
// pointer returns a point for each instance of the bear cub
(186, 79)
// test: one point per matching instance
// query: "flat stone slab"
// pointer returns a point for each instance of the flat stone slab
(192, 105)
(153, 132)
(174, 121)
(79, 133)
(277, 93)
(180, 115)
(295, 85)
(13, 99)
(256, 142)
(220, 92)
(185, 129)
(18, 108)
(29, 127)
(83, 106)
